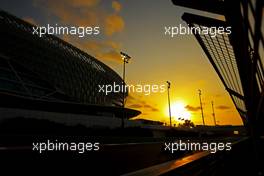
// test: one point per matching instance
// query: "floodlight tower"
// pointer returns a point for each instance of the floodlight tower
(201, 105)
(168, 83)
(125, 58)
(213, 113)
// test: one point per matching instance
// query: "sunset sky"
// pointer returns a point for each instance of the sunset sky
(137, 28)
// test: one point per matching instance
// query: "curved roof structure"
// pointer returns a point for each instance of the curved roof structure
(49, 69)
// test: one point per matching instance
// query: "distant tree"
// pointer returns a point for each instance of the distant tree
(188, 124)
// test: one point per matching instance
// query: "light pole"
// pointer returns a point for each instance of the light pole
(169, 100)
(125, 58)
(213, 113)
(201, 105)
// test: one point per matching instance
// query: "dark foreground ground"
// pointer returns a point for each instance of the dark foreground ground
(118, 159)
(122, 152)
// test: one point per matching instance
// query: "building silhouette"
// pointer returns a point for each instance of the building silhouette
(40, 76)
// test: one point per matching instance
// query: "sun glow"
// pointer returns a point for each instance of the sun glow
(179, 112)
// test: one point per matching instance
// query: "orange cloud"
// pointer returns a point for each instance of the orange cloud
(112, 44)
(93, 45)
(135, 106)
(192, 108)
(102, 50)
(113, 23)
(83, 3)
(88, 13)
(151, 108)
(137, 103)
(72, 12)
(111, 55)
(116, 6)
(84, 13)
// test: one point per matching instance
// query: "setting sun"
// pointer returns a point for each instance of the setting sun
(179, 112)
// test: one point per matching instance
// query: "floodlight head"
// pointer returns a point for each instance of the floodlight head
(125, 56)
(168, 84)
